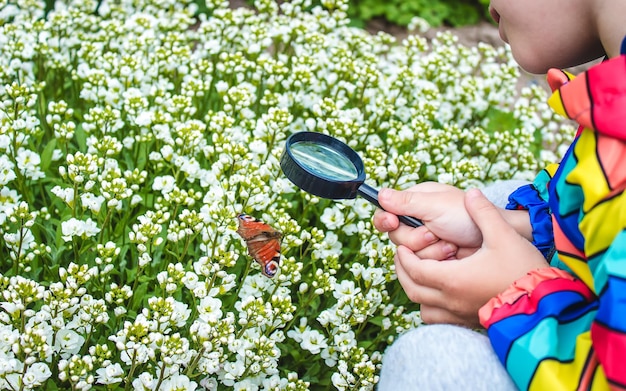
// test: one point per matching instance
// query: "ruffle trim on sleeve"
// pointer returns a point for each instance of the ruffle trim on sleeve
(525, 287)
(525, 294)
(528, 198)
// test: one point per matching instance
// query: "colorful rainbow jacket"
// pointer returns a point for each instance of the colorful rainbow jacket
(564, 327)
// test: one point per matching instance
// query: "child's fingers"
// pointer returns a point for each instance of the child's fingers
(486, 216)
(416, 239)
(385, 221)
(409, 203)
(420, 278)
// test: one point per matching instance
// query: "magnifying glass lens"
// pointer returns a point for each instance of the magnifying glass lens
(324, 161)
(328, 168)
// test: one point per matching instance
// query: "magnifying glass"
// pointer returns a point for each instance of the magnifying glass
(326, 167)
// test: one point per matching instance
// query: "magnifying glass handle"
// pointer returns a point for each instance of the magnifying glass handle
(371, 194)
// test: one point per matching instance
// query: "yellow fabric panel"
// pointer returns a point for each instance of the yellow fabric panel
(579, 268)
(588, 173)
(554, 375)
(557, 104)
(551, 169)
(599, 382)
(601, 225)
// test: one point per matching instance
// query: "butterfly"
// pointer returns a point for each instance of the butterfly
(263, 243)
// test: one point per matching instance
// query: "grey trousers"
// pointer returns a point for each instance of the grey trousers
(447, 357)
(442, 358)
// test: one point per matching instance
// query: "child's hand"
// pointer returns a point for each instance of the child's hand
(453, 291)
(441, 208)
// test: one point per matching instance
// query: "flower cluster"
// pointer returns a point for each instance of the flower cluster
(133, 133)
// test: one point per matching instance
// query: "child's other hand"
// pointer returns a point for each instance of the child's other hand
(441, 208)
(454, 291)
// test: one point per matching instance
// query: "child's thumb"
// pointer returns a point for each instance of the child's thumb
(486, 215)
(403, 202)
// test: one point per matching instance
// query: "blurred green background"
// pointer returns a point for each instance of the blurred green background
(437, 13)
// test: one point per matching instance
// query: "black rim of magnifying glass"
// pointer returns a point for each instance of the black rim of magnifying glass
(312, 182)
(320, 186)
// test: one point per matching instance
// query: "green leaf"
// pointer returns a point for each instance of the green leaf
(377, 320)
(81, 138)
(499, 120)
(139, 296)
(46, 154)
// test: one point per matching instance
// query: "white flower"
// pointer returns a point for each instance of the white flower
(190, 280)
(135, 200)
(167, 152)
(313, 341)
(221, 86)
(180, 313)
(328, 316)
(144, 382)
(258, 146)
(8, 336)
(345, 288)
(245, 385)
(210, 309)
(6, 170)
(36, 375)
(5, 140)
(333, 218)
(209, 383)
(8, 202)
(66, 194)
(357, 269)
(361, 207)
(233, 370)
(83, 229)
(92, 202)
(375, 275)
(329, 247)
(446, 178)
(253, 285)
(19, 242)
(418, 24)
(144, 118)
(110, 374)
(165, 184)
(345, 341)
(144, 259)
(11, 380)
(339, 381)
(283, 186)
(57, 155)
(178, 382)
(28, 163)
(72, 227)
(137, 352)
(68, 342)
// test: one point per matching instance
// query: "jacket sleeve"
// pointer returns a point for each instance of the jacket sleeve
(534, 199)
(564, 328)
(539, 329)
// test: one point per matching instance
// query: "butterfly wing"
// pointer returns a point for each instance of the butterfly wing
(263, 243)
(265, 249)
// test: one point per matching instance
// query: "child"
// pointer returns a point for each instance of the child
(546, 277)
